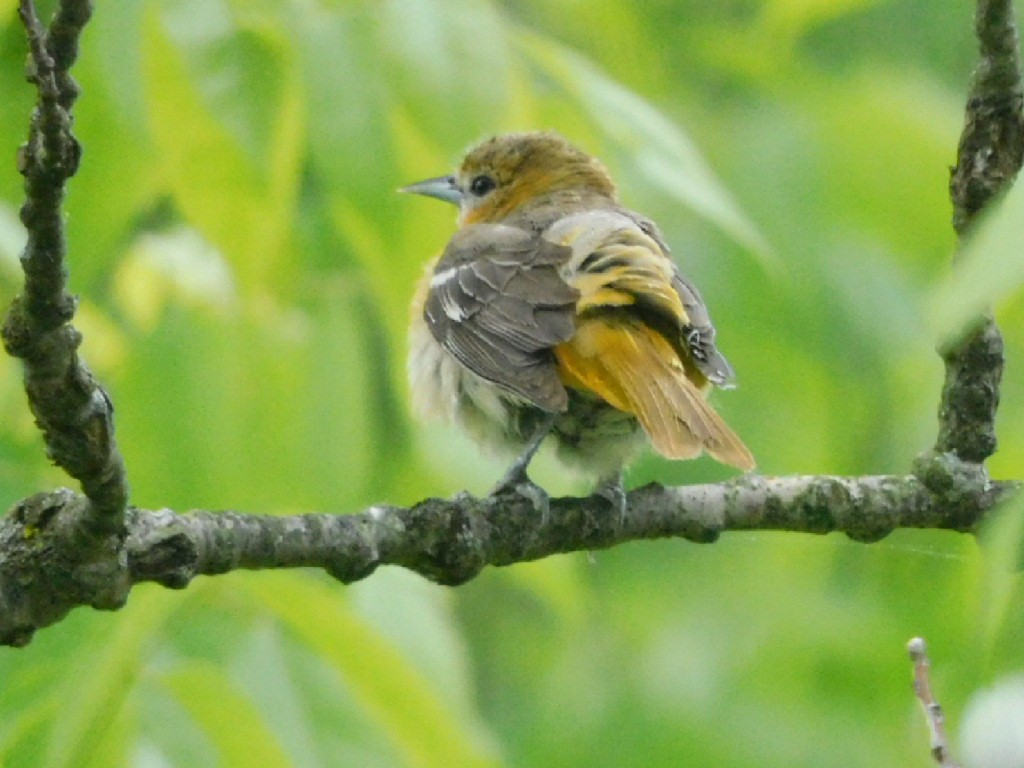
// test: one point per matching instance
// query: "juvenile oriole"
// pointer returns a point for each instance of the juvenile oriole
(554, 310)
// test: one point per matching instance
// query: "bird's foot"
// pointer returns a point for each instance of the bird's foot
(611, 489)
(518, 482)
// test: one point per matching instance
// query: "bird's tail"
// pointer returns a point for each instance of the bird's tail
(635, 369)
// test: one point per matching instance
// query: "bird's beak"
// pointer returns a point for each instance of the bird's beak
(443, 188)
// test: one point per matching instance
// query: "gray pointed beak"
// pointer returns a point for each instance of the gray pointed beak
(443, 188)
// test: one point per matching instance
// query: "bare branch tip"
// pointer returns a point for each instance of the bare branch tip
(938, 741)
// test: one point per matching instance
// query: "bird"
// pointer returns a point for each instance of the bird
(556, 312)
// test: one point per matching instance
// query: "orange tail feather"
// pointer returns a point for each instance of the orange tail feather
(634, 369)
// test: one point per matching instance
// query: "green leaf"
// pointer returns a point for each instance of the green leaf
(242, 735)
(791, 18)
(115, 187)
(16, 103)
(348, 134)
(279, 389)
(19, 732)
(263, 670)
(661, 151)
(104, 676)
(990, 268)
(233, 172)
(1002, 538)
(449, 58)
(348, 422)
(417, 618)
(390, 689)
(890, 174)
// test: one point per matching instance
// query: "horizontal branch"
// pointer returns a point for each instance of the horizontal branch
(47, 569)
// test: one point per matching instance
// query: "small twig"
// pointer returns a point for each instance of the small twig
(932, 710)
(42, 62)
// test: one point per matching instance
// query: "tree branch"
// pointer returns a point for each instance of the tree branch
(447, 541)
(988, 159)
(70, 407)
(939, 743)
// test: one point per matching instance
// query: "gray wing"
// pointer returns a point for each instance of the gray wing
(498, 304)
(700, 333)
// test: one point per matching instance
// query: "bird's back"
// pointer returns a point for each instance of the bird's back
(636, 344)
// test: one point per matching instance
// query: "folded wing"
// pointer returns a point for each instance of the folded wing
(637, 344)
(499, 304)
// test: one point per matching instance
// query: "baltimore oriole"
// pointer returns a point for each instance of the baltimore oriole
(554, 310)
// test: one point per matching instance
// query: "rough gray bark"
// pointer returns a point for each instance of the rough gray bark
(988, 159)
(63, 549)
(447, 541)
(70, 407)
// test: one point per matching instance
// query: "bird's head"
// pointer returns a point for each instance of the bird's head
(505, 173)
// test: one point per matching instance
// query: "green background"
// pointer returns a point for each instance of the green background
(245, 268)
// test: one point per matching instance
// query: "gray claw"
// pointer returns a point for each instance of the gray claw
(529, 490)
(612, 490)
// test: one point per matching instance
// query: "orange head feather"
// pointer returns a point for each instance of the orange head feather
(505, 173)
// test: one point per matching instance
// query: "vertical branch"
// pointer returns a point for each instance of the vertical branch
(988, 159)
(72, 410)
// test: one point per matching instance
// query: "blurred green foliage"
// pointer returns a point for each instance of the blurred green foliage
(245, 267)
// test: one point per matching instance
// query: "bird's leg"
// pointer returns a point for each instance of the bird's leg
(610, 488)
(516, 474)
(516, 479)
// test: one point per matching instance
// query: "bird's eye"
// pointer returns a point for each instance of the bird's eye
(481, 185)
